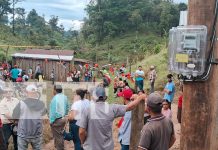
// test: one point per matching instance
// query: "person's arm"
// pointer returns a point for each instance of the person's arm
(52, 111)
(83, 125)
(71, 115)
(145, 139)
(134, 103)
(16, 112)
(82, 135)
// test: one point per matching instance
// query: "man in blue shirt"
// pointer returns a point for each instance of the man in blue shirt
(169, 90)
(14, 73)
(58, 110)
(125, 129)
(140, 75)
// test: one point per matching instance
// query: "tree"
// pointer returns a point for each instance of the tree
(14, 2)
(182, 6)
(136, 18)
(20, 20)
(4, 20)
(4, 8)
(53, 22)
(32, 17)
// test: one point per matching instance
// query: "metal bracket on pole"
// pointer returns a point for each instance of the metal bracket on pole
(214, 61)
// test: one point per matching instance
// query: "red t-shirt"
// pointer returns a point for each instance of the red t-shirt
(1, 123)
(19, 79)
(180, 101)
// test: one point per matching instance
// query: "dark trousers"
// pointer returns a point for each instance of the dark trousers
(152, 87)
(139, 85)
(8, 132)
(179, 115)
(124, 147)
(2, 140)
(13, 79)
(57, 130)
(115, 90)
(74, 135)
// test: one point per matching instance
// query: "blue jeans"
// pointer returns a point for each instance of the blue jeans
(36, 143)
(73, 135)
(8, 132)
(124, 147)
(140, 84)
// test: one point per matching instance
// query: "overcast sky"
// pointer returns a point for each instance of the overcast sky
(70, 12)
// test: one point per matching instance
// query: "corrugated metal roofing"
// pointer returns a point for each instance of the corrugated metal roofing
(43, 56)
(48, 52)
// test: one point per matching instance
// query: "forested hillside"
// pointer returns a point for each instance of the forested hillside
(113, 29)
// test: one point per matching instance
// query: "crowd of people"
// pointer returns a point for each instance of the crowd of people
(90, 120)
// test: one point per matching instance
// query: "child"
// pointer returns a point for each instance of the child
(166, 110)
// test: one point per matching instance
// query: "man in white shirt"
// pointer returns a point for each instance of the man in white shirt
(7, 105)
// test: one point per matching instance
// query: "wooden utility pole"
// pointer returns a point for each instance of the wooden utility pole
(137, 123)
(199, 128)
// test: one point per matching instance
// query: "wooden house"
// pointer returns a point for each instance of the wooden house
(60, 61)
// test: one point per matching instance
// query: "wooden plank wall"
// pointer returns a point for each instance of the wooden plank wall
(47, 67)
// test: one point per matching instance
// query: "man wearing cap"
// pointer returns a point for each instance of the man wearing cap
(14, 73)
(158, 133)
(29, 113)
(7, 106)
(152, 78)
(169, 90)
(125, 129)
(96, 121)
(59, 108)
(139, 78)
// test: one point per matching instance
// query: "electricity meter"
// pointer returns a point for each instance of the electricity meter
(187, 50)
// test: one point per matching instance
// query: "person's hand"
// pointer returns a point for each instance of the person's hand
(143, 97)
(134, 96)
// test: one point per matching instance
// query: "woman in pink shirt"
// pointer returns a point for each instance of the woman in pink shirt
(166, 110)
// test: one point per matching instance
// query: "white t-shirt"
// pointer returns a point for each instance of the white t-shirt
(79, 106)
(140, 73)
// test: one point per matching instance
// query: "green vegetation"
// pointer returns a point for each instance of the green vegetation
(113, 30)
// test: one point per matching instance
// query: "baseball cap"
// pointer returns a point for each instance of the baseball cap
(31, 88)
(155, 100)
(100, 92)
(127, 94)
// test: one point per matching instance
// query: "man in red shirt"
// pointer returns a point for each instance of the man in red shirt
(2, 141)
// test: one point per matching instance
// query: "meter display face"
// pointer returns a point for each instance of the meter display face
(187, 50)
